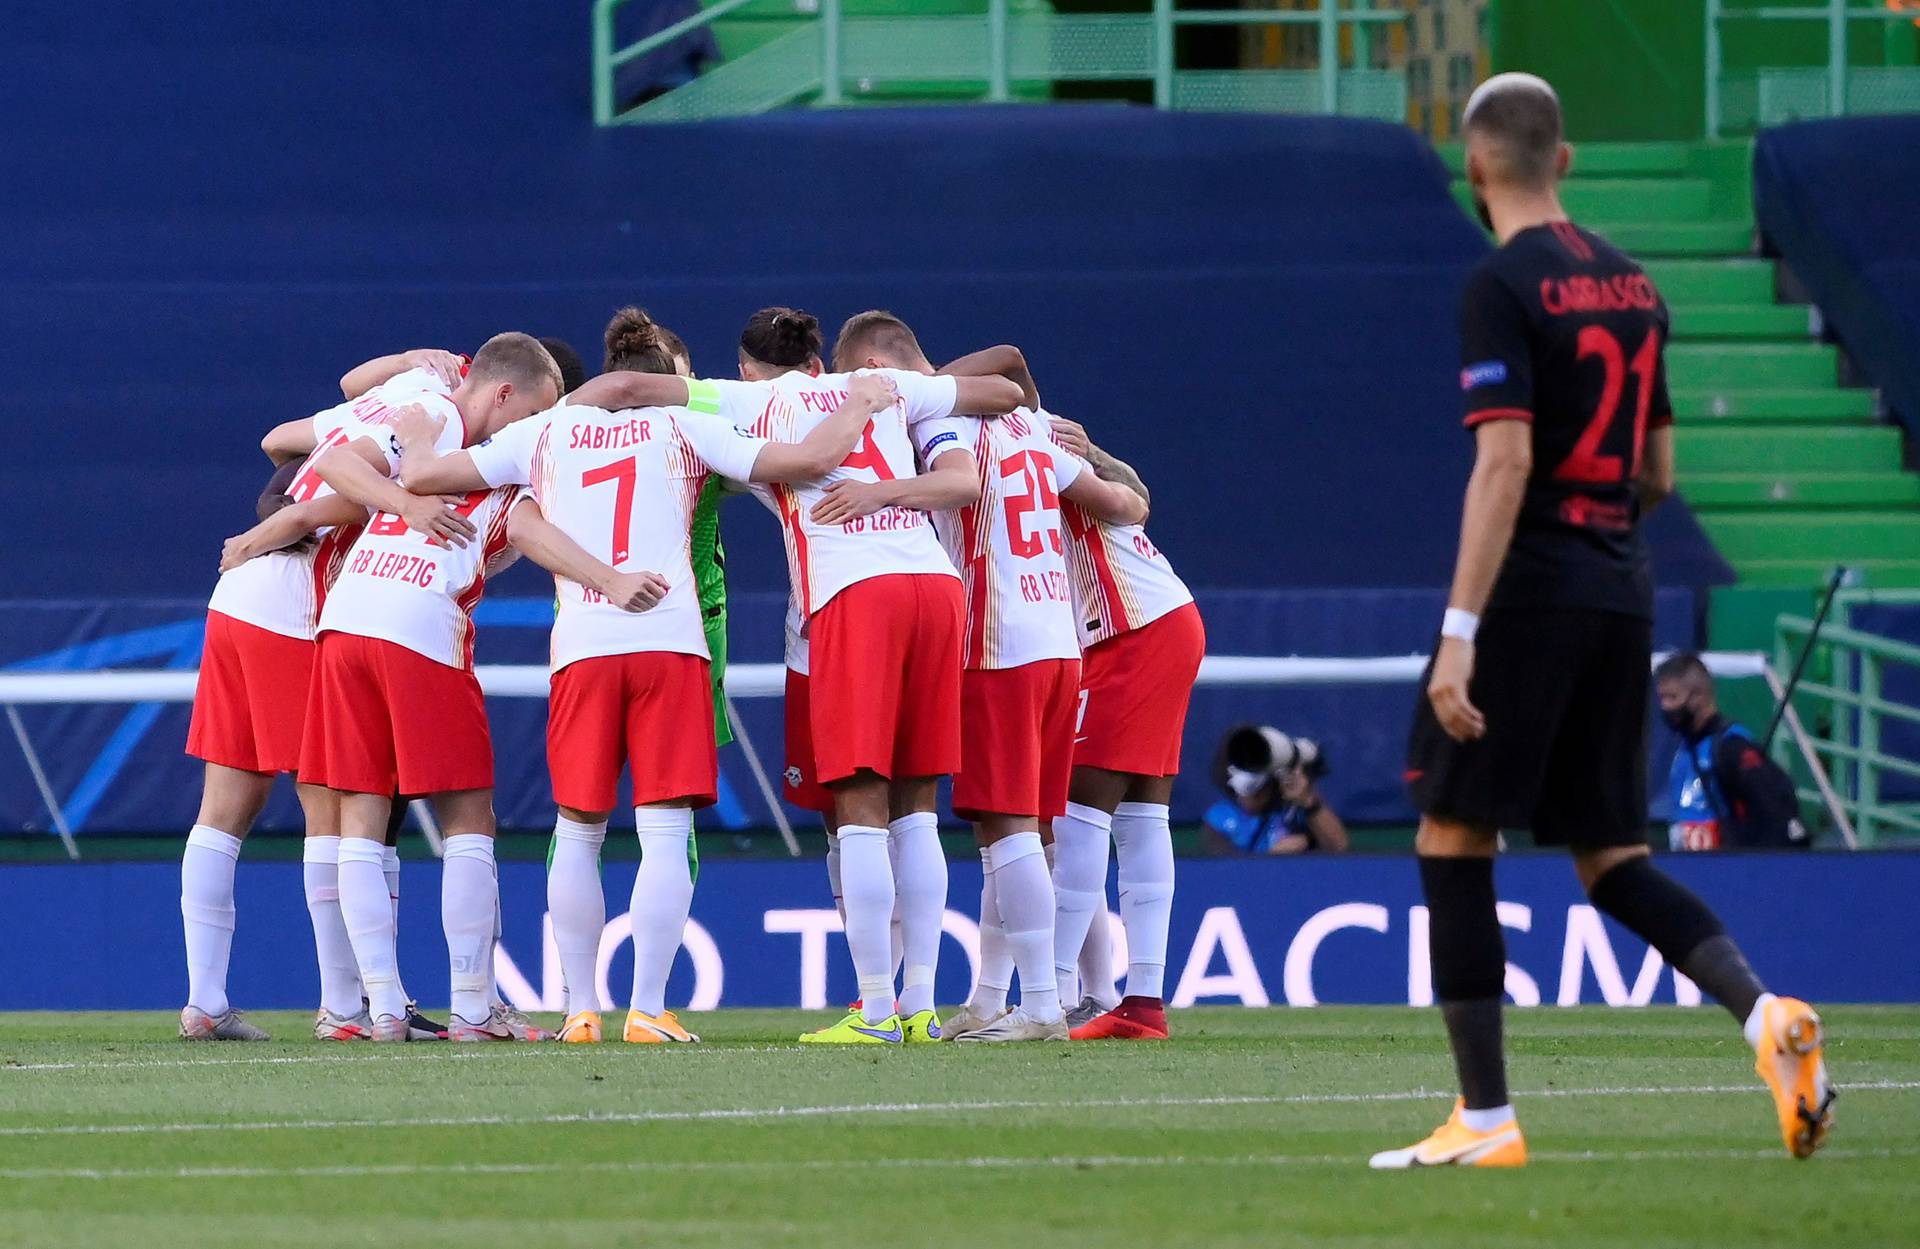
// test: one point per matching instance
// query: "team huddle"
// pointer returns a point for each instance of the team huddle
(972, 596)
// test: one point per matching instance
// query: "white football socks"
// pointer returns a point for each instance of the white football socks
(866, 884)
(469, 896)
(1143, 844)
(662, 897)
(996, 960)
(390, 866)
(833, 877)
(1096, 959)
(577, 904)
(1025, 895)
(1487, 1120)
(339, 974)
(1755, 1026)
(206, 910)
(1079, 886)
(367, 909)
(920, 882)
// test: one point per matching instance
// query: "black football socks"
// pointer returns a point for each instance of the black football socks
(1673, 920)
(1469, 961)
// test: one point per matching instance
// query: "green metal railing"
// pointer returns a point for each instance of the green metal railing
(1854, 709)
(1833, 90)
(819, 57)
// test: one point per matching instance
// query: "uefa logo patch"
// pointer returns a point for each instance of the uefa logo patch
(1485, 373)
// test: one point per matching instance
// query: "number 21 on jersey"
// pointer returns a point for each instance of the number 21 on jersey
(1585, 464)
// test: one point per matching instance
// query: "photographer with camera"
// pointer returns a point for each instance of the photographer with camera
(1272, 805)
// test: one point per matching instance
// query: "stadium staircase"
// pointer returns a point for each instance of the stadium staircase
(1789, 470)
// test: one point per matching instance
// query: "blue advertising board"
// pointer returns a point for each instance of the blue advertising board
(107, 936)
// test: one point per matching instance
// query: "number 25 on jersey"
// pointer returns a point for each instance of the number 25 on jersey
(1037, 495)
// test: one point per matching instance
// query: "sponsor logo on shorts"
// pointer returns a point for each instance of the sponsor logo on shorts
(794, 777)
(1485, 373)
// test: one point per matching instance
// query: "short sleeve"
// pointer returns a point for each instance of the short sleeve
(1067, 468)
(507, 457)
(380, 435)
(925, 398)
(727, 450)
(748, 405)
(1496, 355)
(935, 437)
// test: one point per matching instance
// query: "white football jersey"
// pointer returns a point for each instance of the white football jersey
(823, 560)
(624, 486)
(1008, 543)
(1119, 579)
(400, 586)
(284, 591)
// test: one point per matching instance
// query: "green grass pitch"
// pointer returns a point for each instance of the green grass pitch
(1252, 1127)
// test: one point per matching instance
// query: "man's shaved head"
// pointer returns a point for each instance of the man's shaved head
(1513, 122)
(876, 333)
(516, 358)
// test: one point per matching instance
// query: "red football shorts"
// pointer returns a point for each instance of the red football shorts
(250, 704)
(383, 719)
(652, 711)
(884, 676)
(801, 784)
(1133, 695)
(1016, 739)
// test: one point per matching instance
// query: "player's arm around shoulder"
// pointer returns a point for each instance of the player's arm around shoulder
(620, 390)
(287, 526)
(952, 481)
(832, 440)
(359, 472)
(1104, 500)
(424, 469)
(362, 378)
(290, 440)
(1006, 362)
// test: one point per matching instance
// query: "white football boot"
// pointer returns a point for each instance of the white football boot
(1018, 1025)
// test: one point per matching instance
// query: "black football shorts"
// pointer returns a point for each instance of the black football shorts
(1565, 694)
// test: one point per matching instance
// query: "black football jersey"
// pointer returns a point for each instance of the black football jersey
(1565, 332)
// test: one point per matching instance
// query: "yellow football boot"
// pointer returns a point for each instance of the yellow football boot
(645, 1029)
(921, 1028)
(1789, 1059)
(581, 1028)
(855, 1030)
(1454, 1144)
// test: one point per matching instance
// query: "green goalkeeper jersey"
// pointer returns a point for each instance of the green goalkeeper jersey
(710, 578)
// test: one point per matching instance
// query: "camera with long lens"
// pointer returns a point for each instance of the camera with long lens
(1257, 753)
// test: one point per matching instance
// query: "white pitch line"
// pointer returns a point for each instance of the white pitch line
(459, 1169)
(362, 1056)
(764, 1113)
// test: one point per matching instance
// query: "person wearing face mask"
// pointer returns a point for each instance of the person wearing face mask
(1272, 803)
(1726, 793)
